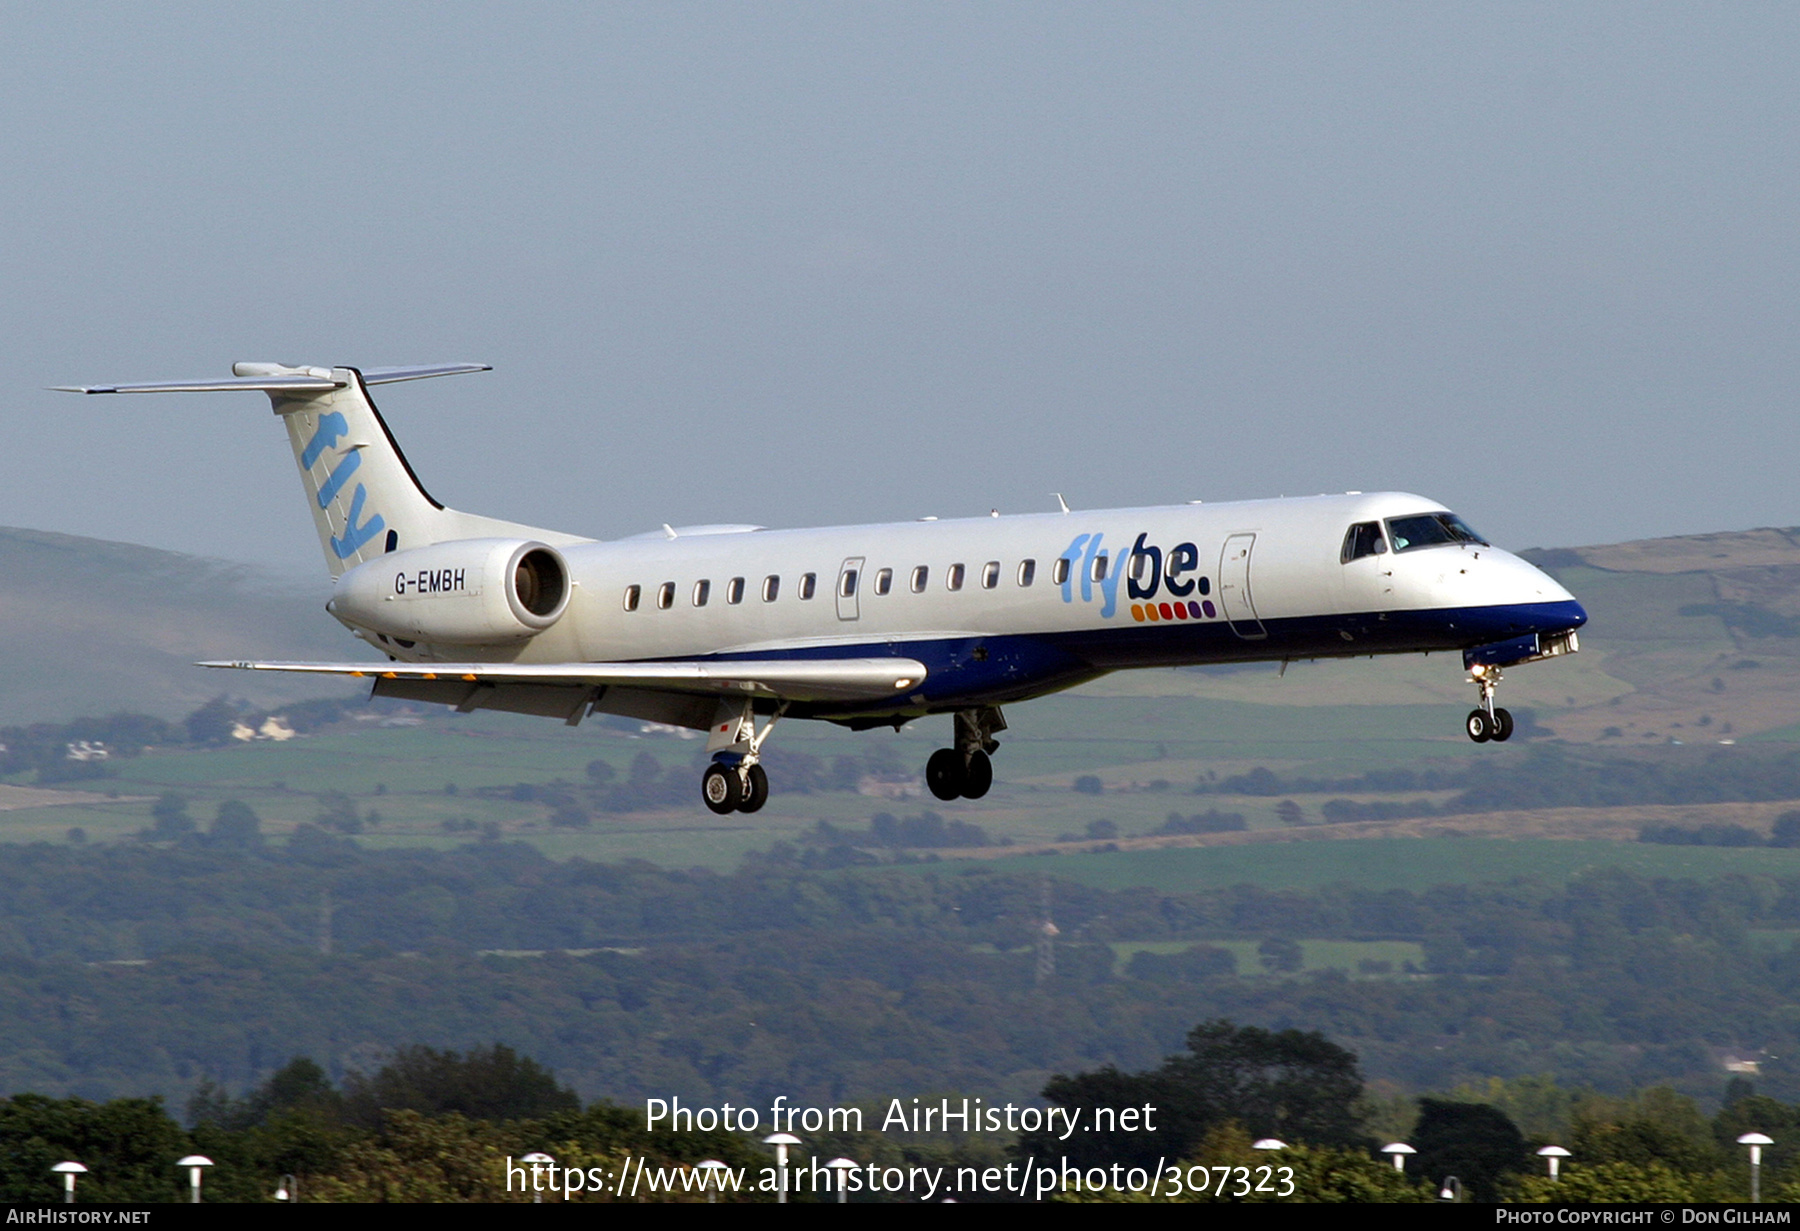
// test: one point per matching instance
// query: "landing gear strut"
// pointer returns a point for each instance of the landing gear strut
(965, 772)
(1487, 723)
(736, 780)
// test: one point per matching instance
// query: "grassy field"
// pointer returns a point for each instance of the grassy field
(1408, 863)
(1348, 956)
(422, 780)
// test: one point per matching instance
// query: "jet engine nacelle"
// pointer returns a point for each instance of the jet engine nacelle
(464, 592)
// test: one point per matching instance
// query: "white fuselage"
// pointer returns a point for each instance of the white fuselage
(1053, 597)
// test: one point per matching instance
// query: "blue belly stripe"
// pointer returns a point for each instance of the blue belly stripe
(965, 671)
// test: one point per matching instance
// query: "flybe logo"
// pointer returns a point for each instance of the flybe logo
(1148, 572)
(357, 532)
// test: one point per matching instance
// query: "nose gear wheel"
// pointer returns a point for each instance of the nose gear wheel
(1487, 722)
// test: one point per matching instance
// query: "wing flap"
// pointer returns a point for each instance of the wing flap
(797, 679)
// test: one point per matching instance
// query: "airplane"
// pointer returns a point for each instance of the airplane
(716, 627)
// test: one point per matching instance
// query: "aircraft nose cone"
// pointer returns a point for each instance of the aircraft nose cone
(1559, 617)
(1562, 606)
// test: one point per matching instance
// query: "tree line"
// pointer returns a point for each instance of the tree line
(150, 965)
(1233, 1085)
(1547, 775)
(438, 1125)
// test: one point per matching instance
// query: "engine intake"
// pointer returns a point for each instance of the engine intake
(465, 592)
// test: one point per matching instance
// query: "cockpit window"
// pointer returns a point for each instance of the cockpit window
(1364, 539)
(1431, 530)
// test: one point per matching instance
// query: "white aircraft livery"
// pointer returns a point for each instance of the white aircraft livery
(718, 627)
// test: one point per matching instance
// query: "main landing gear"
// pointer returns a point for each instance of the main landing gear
(734, 788)
(1487, 723)
(965, 771)
(736, 780)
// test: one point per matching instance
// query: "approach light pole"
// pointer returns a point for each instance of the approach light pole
(69, 1171)
(1756, 1142)
(288, 1189)
(1452, 1189)
(781, 1142)
(194, 1163)
(843, 1167)
(537, 1158)
(711, 1178)
(1398, 1150)
(1553, 1156)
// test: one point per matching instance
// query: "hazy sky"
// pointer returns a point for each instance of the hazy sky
(799, 264)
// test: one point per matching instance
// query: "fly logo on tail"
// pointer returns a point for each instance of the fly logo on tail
(331, 428)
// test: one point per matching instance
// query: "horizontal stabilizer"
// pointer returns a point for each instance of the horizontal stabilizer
(789, 679)
(280, 378)
(251, 384)
(389, 376)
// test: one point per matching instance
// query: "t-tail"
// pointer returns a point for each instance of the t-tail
(365, 499)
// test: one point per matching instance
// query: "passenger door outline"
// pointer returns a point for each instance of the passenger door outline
(849, 577)
(1234, 588)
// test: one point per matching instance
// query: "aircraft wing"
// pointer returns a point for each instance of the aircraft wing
(788, 679)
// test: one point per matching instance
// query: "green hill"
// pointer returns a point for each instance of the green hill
(91, 627)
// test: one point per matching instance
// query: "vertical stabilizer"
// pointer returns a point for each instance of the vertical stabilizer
(364, 498)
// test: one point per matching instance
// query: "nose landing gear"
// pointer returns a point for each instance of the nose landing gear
(1487, 723)
(965, 771)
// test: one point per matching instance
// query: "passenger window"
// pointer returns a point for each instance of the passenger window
(1099, 568)
(1140, 560)
(808, 584)
(734, 590)
(665, 596)
(920, 576)
(632, 594)
(990, 574)
(771, 588)
(1364, 539)
(847, 583)
(954, 578)
(1059, 572)
(1027, 572)
(884, 581)
(702, 591)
